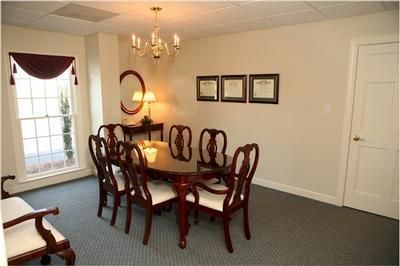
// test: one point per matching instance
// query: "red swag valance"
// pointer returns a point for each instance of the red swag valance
(42, 66)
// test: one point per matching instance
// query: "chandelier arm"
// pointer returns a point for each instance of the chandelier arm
(175, 53)
(142, 52)
(156, 44)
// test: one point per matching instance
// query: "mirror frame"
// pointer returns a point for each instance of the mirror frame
(137, 75)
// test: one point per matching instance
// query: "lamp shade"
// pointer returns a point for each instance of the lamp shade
(149, 96)
(150, 153)
(137, 96)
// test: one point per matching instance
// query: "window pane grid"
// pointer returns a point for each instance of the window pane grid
(51, 135)
(47, 119)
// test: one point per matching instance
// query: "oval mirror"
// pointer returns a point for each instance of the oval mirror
(131, 81)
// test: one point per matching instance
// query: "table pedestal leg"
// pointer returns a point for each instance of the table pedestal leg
(182, 189)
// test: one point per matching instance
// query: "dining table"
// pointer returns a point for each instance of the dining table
(182, 166)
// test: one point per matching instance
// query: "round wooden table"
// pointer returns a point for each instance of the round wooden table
(183, 167)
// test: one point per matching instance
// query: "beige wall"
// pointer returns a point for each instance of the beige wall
(144, 66)
(18, 39)
(300, 145)
(103, 75)
(109, 65)
(94, 81)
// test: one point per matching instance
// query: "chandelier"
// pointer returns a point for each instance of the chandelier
(156, 45)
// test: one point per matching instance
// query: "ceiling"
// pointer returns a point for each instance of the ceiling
(189, 19)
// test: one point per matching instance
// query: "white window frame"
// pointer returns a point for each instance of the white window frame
(22, 176)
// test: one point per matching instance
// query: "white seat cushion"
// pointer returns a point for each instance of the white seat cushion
(213, 180)
(119, 177)
(23, 237)
(116, 169)
(210, 200)
(160, 191)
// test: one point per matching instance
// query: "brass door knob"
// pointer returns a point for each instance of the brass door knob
(356, 138)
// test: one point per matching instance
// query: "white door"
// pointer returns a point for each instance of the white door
(372, 181)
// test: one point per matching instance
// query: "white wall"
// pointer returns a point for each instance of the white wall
(103, 72)
(300, 146)
(146, 69)
(109, 65)
(16, 39)
(94, 82)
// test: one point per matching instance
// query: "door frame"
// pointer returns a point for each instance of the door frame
(349, 103)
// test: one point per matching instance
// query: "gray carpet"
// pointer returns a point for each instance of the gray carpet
(286, 229)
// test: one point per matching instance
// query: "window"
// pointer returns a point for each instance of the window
(45, 111)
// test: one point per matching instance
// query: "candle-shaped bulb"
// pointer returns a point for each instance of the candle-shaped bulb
(133, 40)
(175, 43)
(177, 40)
(138, 42)
(152, 38)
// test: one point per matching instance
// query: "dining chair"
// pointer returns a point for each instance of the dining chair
(221, 201)
(217, 142)
(184, 154)
(112, 133)
(110, 182)
(151, 195)
(212, 144)
(181, 139)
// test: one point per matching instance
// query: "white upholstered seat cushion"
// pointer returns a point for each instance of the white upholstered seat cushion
(23, 237)
(213, 180)
(116, 169)
(119, 178)
(210, 200)
(160, 191)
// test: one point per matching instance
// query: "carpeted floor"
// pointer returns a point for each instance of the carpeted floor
(286, 229)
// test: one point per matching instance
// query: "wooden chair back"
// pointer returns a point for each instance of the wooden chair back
(181, 154)
(179, 132)
(132, 162)
(212, 144)
(239, 179)
(112, 133)
(100, 153)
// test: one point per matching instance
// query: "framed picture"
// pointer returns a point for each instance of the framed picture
(208, 88)
(233, 88)
(264, 88)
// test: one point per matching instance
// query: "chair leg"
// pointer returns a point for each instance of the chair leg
(68, 255)
(128, 216)
(228, 241)
(115, 209)
(45, 260)
(105, 193)
(101, 202)
(246, 221)
(149, 217)
(196, 216)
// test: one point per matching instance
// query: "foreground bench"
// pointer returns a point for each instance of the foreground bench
(28, 236)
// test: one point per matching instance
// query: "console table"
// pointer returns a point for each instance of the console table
(131, 130)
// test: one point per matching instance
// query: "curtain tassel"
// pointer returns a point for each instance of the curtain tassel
(76, 81)
(12, 81)
(73, 70)
(14, 68)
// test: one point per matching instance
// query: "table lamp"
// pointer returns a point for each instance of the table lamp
(150, 153)
(148, 98)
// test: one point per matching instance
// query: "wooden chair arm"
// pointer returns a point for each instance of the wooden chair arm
(38, 215)
(32, 215)
(5, 194)
(214, 191)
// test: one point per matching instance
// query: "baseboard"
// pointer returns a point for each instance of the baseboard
(296, 191)
(20, 187)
